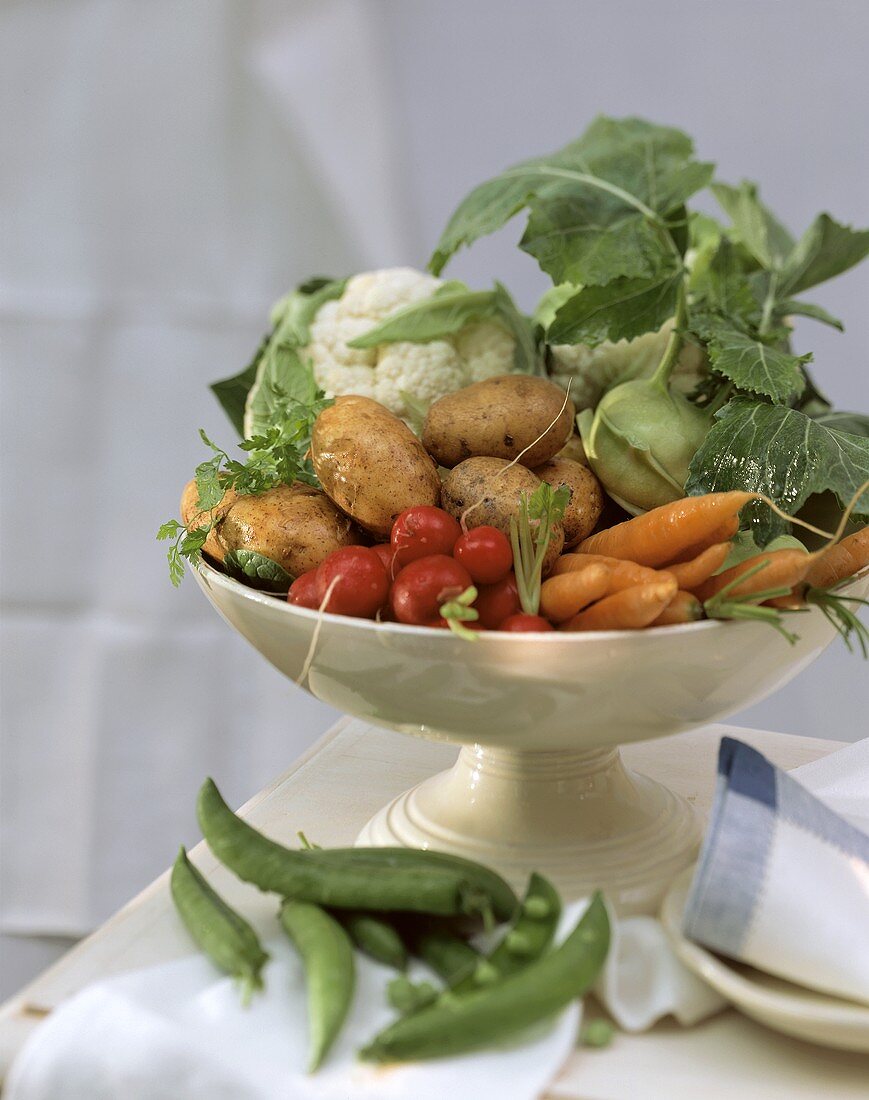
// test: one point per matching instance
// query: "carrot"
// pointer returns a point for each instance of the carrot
(562, 596)
(793, 601)
(782, 569)
(623, 574)
(840, 561)
(683, 608)
(661, 535)
(630, 609)
(691, 573)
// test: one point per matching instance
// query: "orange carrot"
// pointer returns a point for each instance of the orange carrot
(840, 561)
(661, 535)
(782, 569)
(691, 573)
(630, 609)
(793, 601)
(623, 574)
(561, 597)
(683, 608)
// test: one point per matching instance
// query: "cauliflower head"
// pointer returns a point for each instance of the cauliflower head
(422, 371)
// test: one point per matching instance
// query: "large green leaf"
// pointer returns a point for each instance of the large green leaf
(447, 312)
(782, 453)
(623, 175)
(792, 308)
(825, 250)
(753, 366)
(232, 392)
(621, 310)
(758, 229)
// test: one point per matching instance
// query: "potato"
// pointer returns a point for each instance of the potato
(371, 464)
(294, 525)
(191, 516)
(484, 492)
(500, 418)
(586, 496)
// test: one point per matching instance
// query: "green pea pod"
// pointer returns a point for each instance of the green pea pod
(225, 937)
(449, 956)
(529, 937)
(352, 878)
(406, 996)
(330, 972)
(494, 1013)
(374, 937)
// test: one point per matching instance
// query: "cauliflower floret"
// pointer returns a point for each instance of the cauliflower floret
(593, 371)
(485, 349)
(424, 371)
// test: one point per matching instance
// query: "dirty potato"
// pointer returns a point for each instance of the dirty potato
(487, 491)
(294, 525)
(191, 517)
(586, 496)
(371, 464)
(500, 418)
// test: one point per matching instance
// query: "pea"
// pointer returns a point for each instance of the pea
(225, 937)
(352, 878)
(526, 941)
(498, 1011)
(374, 937)
(330, 972)
(407, 996)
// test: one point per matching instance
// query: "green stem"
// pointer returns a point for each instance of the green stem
(674, 345)
(769, 303)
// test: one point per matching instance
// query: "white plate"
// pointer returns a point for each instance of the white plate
(791, 1009)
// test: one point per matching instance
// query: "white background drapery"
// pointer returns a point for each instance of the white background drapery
(172, 167)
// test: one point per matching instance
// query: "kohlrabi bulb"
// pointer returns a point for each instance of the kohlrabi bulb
(639, 442)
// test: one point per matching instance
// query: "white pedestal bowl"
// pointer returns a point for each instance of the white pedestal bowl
(538, 783)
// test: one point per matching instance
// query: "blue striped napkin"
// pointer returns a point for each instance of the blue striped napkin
(783, 881)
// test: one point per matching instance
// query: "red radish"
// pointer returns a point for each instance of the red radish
(521, 624)
(498, 601)
(486, 554)
(305, 591)
(423, 586)
(353, 581)
(386, 552)
(421, 532)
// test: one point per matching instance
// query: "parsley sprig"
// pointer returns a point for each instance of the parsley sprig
(279, 456)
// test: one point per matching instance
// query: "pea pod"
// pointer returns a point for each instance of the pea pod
(457, 1024)
(374, 937)
(225, 937)
(449, 956)
(352, 878)
(526, 941)
(330, 972)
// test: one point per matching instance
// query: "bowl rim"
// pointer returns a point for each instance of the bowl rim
(205, 569)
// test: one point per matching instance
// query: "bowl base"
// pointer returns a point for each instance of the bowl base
(580, 818)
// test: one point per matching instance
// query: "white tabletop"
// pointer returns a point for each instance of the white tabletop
(333, 790)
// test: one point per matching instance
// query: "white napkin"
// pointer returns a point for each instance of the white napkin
(178, 1032)
(783, 879)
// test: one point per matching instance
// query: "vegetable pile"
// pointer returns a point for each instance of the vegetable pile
(390, 903)
(421, 452)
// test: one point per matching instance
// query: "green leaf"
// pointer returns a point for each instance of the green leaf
(782, 453)
(592, 240)
(447, 312)
(621, 310)
(757, 228)
(433, 318)
(232, 392)
(620, 175)
(792, 308)
(168, 530)
(851, 422)
(257, 570)
(753, 366)
(825, 250)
